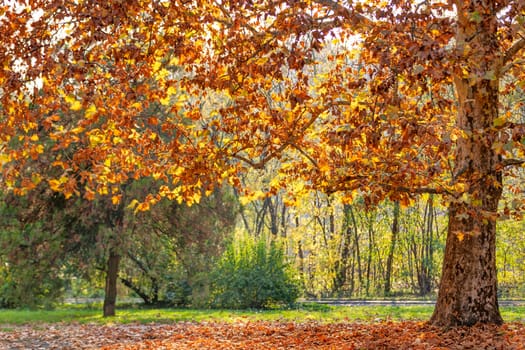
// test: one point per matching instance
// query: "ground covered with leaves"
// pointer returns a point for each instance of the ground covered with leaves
(261, 335)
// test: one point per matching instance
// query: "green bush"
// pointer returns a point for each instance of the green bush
(30, 273)
(29, 287)
(253, 274)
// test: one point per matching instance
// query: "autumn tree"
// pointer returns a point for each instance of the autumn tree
(420, 113)
(409, 105)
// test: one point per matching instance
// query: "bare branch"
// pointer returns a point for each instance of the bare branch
(512, 162)
(306, 155)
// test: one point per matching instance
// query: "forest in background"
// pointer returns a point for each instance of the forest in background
(53, 248)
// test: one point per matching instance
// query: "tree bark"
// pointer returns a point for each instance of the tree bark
(110, 297)
(390, 258)
(341, 264)
(371, 242)
(468, 289)
(426, 270)
(356, 250)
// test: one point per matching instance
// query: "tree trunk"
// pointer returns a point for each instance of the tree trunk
(371, 243)
(467, 294)
(425, 273)
(110, 297)
(341, 264)
(390, 258)
(356, 249)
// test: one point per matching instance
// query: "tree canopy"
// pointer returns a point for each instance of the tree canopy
(388, 98)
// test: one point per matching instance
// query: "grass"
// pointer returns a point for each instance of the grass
(304, 312)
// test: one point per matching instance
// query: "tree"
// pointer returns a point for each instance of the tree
(197, 235)
(389, 261)
(44, 241)
(409, 105)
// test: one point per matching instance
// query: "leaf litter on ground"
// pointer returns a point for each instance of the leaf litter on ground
(262, 335)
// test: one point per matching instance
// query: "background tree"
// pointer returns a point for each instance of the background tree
(197, 236)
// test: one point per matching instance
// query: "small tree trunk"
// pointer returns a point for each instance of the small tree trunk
(390, 258)
(424, 277)
(341, 264)
(110, 297)
(356, 249)
(371, 243)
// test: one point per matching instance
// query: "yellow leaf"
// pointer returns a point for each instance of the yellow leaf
(77, 130)
(90, 111)
(34, 137)
(54, 185)
(165, 101)
(176, 170)
(94, 140)
(116, 199)
(245, 200)
(156, 66)
(197, 197)
(103, 190)
(181, 100)
(163, 73)
(251, 197)
(171, 91)
(133, 204)
(117, 140)
(142, 207)
(74, 104)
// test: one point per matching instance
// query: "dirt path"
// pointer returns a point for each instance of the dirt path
(355, 302)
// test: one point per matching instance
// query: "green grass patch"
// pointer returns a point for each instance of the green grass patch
(302, 313)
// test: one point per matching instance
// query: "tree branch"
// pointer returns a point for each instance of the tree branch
(513, 50)
(355, 18)
(512, 162)
(512, 64)
(136, 289)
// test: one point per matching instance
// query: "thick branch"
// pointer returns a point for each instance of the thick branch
(136, 289)
(512, 64)
(512, 162)
(139, 263)
(513, 50)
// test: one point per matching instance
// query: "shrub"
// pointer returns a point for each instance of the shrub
(253, 274)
